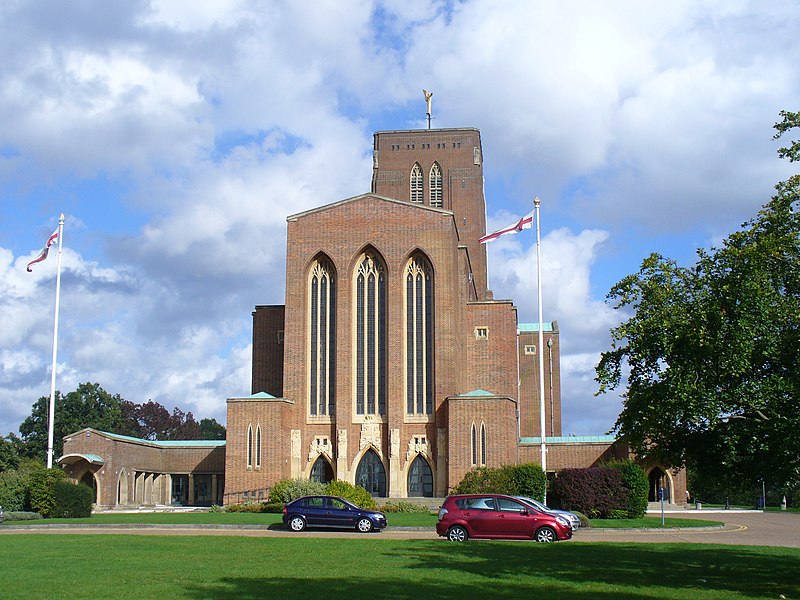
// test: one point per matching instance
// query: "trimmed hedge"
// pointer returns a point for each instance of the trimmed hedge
(13, 490)
(72, 501)
(41, 490)
(635, 481)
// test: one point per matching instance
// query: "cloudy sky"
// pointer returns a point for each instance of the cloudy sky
(176, 136)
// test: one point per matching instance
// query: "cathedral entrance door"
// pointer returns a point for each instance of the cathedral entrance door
(371, 475)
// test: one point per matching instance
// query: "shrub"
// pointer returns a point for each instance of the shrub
(21, 515)
(41, 496)
(526, 479)
(484, 480)
(287, 490)
(72, 501)
(635, 481)
(248, 507)
(13, 488)
(404, 507)
(596, 491)
(352, 493)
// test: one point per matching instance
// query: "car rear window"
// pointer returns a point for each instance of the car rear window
(475, 503)
(314, 502)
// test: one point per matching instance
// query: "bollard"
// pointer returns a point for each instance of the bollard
(698, 505)
(783, 503)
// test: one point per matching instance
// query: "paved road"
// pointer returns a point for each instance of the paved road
(747, 529)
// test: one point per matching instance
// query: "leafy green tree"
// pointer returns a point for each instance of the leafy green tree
(710, 352)
(210, 429)
(9, 457)
(88, 406)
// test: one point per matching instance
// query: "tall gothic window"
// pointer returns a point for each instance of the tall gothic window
(435, 185)
(416, 183)
(258, 446)
(473, 445)
(419, 337)
(322, 358)
(483, 444)
(370, 301)
(249, 446)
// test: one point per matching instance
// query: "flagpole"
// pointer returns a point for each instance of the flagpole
(52, 411)
(537, 202)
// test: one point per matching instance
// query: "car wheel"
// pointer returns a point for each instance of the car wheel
(297, 523)
(546, 535)
(364, 525)
(457, 534)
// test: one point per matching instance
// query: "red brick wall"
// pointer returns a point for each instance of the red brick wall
(138, 456)
(460, 156)
(267, 367)
(499, 416)
(530, 425)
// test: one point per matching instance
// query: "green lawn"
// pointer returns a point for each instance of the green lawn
(221, 567)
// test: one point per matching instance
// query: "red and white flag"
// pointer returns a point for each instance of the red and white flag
(44, 252)
(523, 223)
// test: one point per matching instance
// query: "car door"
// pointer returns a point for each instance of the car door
(339, 514)
(481, 516)
(515, 518)
(314, 509)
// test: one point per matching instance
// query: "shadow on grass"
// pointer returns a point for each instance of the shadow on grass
(505, 570)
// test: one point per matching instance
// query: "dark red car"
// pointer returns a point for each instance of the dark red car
(498, 516)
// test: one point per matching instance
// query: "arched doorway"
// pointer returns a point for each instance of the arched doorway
(420, 479)
(322, 471)
(658, 481)
(89, 481)
(371, 475)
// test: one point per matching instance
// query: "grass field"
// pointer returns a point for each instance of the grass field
(194, 567)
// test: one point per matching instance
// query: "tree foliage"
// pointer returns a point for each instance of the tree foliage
(91, 406)
(710, 351)
(9, 457)
(88, 406)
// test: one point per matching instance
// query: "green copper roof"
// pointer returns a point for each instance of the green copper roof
(571, 439)
(534, 327)
(166, 443)
(478, 393)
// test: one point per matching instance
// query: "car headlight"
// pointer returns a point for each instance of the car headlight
(562, 520)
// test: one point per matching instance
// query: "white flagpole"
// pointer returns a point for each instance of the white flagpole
(537, 202)
(52, 411)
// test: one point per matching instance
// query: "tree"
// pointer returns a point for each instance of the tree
(211, 430)
(710, 351)
(9, 458)
(88, 406)
(152, 421)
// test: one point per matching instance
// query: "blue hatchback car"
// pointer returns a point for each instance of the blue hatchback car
(331, 511)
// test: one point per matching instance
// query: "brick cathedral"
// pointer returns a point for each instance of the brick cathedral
(390, 365)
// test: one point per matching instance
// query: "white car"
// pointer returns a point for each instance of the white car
(574, 520)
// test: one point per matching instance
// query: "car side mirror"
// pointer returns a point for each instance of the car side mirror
(526, 512)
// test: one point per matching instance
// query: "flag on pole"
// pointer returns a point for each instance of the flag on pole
(523, 223)
(44, 252)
